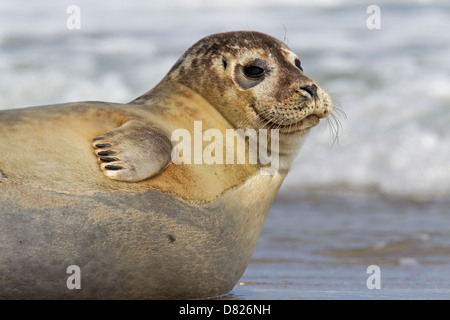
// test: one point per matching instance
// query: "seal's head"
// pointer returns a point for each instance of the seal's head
(255, 81)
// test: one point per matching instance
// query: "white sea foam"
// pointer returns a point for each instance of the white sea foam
(393, 83)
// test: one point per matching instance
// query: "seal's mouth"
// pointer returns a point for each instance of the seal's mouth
(288, 120)
(300, 126)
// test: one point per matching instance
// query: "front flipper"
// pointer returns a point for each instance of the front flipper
(133, 152)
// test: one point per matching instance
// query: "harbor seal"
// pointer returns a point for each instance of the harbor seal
(94, 184)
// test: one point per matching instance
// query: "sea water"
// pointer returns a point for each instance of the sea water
(378, 195)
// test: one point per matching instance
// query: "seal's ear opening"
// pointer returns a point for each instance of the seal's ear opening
(224, 63)
(251, 74)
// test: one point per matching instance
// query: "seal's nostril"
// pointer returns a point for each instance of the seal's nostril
(311, 89)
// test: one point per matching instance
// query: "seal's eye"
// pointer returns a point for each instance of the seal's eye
(298, 64)
(253, 72)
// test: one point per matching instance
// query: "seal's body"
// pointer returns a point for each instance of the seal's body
(92, 184)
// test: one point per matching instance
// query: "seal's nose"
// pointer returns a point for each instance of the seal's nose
(311, 89)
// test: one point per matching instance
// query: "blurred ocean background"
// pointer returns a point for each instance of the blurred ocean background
(380, 195)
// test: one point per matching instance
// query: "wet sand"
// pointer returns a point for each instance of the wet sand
(319, 247)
